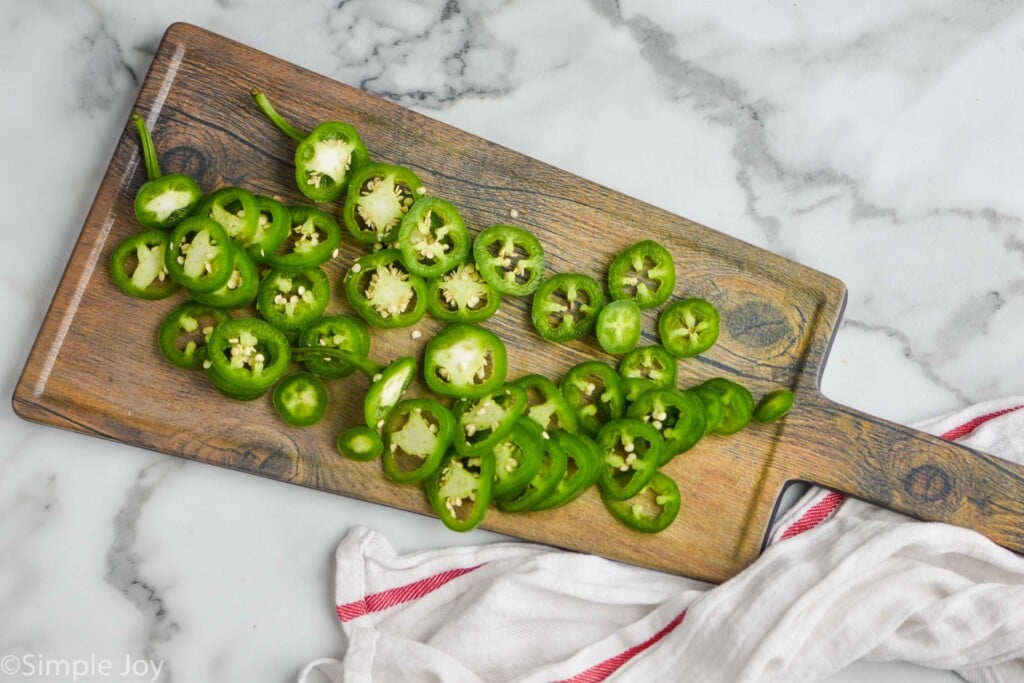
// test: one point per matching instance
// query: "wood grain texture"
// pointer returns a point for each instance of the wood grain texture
(96, 368)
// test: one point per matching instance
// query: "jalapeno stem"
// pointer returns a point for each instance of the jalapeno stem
(148, 148)
(268, 110)
(361, 363)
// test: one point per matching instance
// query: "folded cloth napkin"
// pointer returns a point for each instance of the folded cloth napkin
(841, 580)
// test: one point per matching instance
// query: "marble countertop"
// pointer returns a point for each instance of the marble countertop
(881, 144)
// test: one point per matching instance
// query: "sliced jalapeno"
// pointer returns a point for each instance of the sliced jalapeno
(345, 332)
(272, 227)
(481, 422)
(360, 443)
(737, 404)
(241, 287)
(138, 266)
(713, 408)
(688, 327)
(460, 490)
(516, 461)
(583, 468)
(631, 450)
(510, 259)
(383, 292)
(185, 331)
(416, 436)
(163, 201)
(235, 209)
(650, 362)
(245, 357)
(619, 325)
(292, 300)
(553, 463)
(432, 237)
(677, 415)
(378, 198)
(643, 273)
(462, 296)
(301, 399)
(635, 387)
(566, 306)
(312, 240)
(546, 405)
(465, 361)
(386, 390)
(773, 406)
(593, 391)
(199, 255)
(324, 158)
(651, 510)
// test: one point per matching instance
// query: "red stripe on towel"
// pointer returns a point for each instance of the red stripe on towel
(602, 671)
(396, 596)
(969, 426)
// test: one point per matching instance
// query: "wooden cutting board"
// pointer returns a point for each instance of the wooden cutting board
(96, 368)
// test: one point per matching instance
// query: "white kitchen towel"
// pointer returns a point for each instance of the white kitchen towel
(841, 580)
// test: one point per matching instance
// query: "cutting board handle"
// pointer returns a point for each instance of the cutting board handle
(912, 472)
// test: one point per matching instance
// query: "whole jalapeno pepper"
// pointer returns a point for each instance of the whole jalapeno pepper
(565, 306)
(773, 406)
(163, 201)
(416, 435)
(546, 405)
(360, 443)
(325, 158)
(272, 228)
(465, 361)
(737, 404)
(345, 332)
(618, 326)
(650, 362)
(460, 489)
(200, 254)
(432, 237)
(553, 464)
(301, 399)
(631, 450)
(643, 273)
(383, 292)
(240, 289)
(291, 301)
(186, 330)
(660, 497)
(482, 422)
(378, 197)
(516, 461)
(461, 296)
(593, 391)
(138, 266)
(312, 240)
(236, 209)
(245, 357)
(510, 259)
(677, 415)
(583, 469)
(688, 327)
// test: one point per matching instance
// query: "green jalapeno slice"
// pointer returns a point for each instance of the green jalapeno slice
(462, 296)
(631, 451)
(618, 326)
(383, 292)
(245, 357)
(416, 436)
(378, 197)
(773, 406)
(360, 443)
(650, 362)
(546, 405)
(481, 422)
(593, 391)
(292, 300)
(460, 489)
(432, 237)
(235, 209)
(643, 273)
(688, 327)
(272, 227)
(138, 266)
(713, 408)
(737, 404)
(185, 331)
(163, 201)
(510, 259)
(345, 332)
(677, 415)
(387, 387)
(553, 463)
(241, 287)
(465, 361)
(301, 399)
(651, 510)
(583, 468)
(312, 240)
(516, 460)
(565, 306)
(199, 255)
